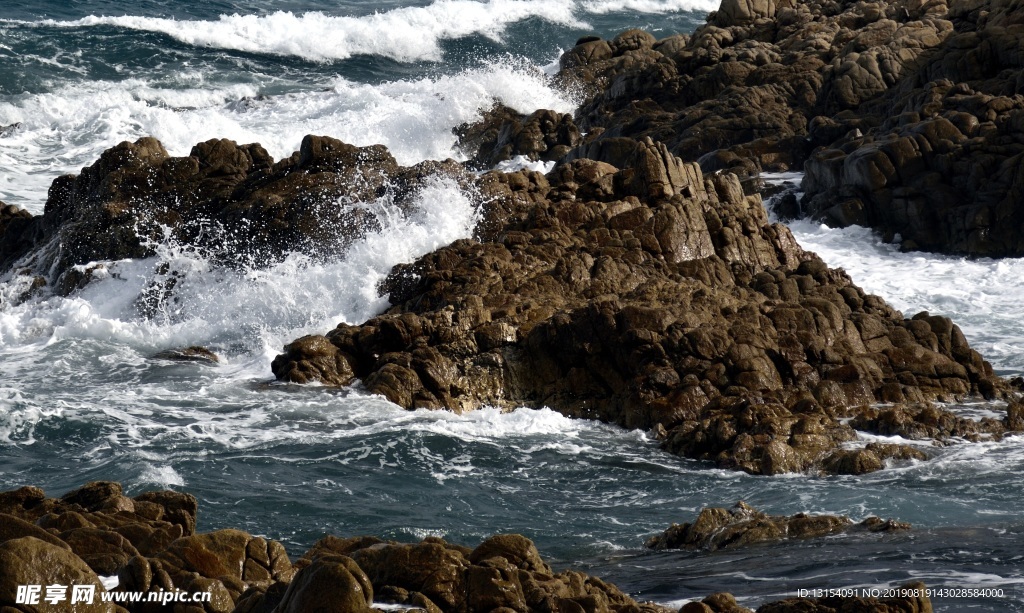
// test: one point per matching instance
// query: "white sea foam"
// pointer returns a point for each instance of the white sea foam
(660, 7)
(404, 34)
(69, 128)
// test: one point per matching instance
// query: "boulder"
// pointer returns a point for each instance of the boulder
(29, 561)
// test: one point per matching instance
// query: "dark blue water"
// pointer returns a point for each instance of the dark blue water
(81, 399)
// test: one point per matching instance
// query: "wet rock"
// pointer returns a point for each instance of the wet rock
(16, 234)
(1015, 417)
(189, 354)
(12, 527)
(330, 583)
(30, 561)
(723, 602)
(924, 422)
(868, 459)
(742, 525)
(503, 134)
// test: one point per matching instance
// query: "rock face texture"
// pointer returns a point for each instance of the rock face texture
(630, 287)
(908, 114)
(247, 574)
(741, 525)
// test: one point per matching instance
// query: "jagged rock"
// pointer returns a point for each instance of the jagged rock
(1015, 417)
(868, 459)
(908, 114)
(742, 525)
(634, 289)
(15, 234)
(925, 422)
(504, 134)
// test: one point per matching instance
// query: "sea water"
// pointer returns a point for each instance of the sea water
(82, 399)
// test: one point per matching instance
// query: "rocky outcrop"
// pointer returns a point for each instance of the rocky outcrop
(630, 287)
(503, 134)
(742, 525)
(940, 163)
(99, 524)
(232, 202)
(246, 574)
(909, 598)
(908, 114)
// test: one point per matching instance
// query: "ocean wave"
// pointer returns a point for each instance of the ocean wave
(406, 34)
(69, 128)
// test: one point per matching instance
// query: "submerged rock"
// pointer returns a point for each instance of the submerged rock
(742, 525)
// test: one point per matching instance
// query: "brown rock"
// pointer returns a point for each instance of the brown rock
(330, 583)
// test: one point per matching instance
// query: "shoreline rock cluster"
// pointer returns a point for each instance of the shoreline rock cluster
(149, 542)
(742, 525)
(907, 116)
(627, 284)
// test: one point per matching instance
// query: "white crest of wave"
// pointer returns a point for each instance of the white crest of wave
(406, 34)
(65, 130)
(659, 7)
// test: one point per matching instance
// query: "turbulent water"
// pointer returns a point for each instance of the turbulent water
(82, 399)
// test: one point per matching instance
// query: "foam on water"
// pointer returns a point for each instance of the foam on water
(982, 296)
(659, 7)
(404, 34)
(69, 128)
(250, 312)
